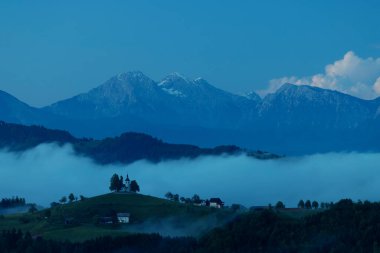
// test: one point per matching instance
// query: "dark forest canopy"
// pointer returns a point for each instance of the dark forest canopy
(126, 148)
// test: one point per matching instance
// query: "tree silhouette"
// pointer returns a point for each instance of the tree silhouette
(169, 195)
(63, 200)
(308, 204)
(301, 204)
(280, 205)
(71, 197)
(134, 186)
(115, 183)
(315, 204)
(196, 199)
(121, 184)
(33, 209)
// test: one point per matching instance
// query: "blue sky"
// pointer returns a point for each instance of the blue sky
(50, 50)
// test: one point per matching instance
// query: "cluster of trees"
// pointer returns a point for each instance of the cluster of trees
(12, 202)
(68, 199)
(313, 205)
(175, 197)
(304, 205)
(117, 183)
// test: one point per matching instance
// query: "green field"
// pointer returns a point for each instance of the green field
(148, 214)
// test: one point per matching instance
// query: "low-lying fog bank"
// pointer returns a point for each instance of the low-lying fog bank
(48, 172)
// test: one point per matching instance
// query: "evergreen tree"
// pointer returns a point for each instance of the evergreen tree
(71, 197)
(121, 184)
(169, 195)
(115, 183)
(280, 205)
(308, 204)
(134, 186)
(301, 204)
(196, 199)
(63, 200)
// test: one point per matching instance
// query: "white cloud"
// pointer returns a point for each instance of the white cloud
(351, 75)
(376, 86)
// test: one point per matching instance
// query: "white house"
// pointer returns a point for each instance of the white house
(216, 202)
(123, 217)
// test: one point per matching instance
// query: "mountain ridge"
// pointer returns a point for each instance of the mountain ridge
(125, 148)
(183, 110)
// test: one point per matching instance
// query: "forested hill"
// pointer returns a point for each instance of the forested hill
(17, 137)
(126, 148)
(346, 227)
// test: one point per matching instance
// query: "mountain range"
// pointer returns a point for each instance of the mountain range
(296, 119)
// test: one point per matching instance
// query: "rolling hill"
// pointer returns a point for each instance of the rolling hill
(148, 215)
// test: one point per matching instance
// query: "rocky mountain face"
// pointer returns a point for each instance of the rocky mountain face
(293, 120)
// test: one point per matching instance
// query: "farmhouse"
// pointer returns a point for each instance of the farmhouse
(123, 217)
(216, 202)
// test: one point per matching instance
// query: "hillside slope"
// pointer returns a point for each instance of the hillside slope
(147, 215)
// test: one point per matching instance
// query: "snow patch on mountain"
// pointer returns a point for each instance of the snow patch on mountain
(174, 92)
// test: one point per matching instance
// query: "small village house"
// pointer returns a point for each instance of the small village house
(216, 202)
(123, 217)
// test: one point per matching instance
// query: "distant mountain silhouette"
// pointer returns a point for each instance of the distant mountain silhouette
(126, 148)
(296, 119)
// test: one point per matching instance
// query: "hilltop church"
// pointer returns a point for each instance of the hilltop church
(127, 186)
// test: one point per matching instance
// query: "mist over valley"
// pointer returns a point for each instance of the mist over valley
(48, 172)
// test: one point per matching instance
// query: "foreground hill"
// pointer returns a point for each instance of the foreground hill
(345, 227)
(296, 119)
(80, 220)
(126, 148)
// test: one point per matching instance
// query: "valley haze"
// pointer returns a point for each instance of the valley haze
(48, 172)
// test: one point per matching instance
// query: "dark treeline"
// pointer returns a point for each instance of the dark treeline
(126, 148)
(12, 202)
(345, 227)
(18, 242)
